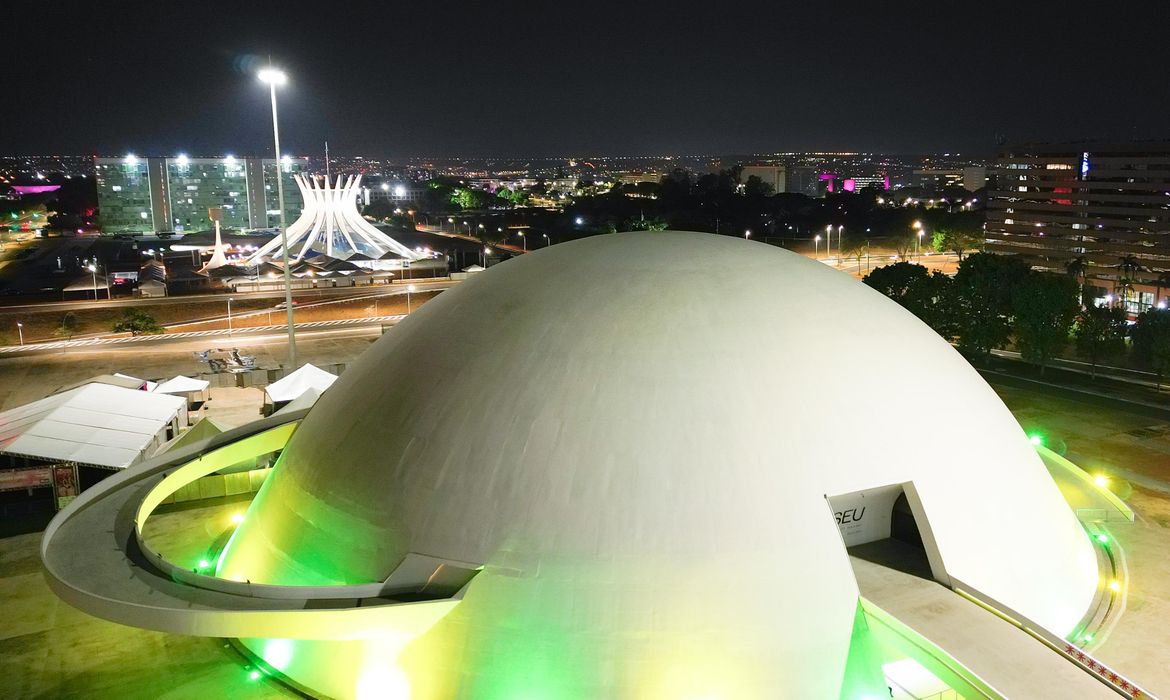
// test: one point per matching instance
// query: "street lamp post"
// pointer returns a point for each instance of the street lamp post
(275, 77)
(20, 330)
(409, 289)
(93, 272)
(829, 241)
(523, 241)
(486, 253)
(547, 240)
(817, 247)
(840, 231)
(917, 239)
(747, 234)
(229, 315)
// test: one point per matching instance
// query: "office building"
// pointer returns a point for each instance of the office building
(773, 175)
(156, 195)
(1095, 210)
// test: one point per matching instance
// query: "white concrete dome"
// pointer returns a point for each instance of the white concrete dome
(635, 434)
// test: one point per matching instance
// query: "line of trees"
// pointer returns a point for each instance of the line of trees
(996, 300)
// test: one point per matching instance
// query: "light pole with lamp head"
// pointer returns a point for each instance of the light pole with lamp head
(747, 234)
(275, 77)
(93, 272)
(486, 253)
(817, 247)
(547, 240)
(840, 231)
(20, 330)
(523, 241)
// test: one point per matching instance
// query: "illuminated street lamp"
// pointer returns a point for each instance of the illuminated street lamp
(20, 330)
(409, 289)
(828, 241)
(840, 231)
(817, 247)
(547, 240)
(274, 77)
(93, 271)
(486, 253)
(747, 234)
(523, 241)
(918, 238)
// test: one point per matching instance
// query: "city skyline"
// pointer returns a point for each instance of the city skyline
(473, 81)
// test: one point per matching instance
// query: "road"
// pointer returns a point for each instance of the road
(423, 284)
(438, 231)
(218, 336)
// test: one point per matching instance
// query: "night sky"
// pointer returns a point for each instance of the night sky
(560, 78)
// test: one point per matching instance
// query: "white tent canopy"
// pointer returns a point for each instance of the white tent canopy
(306, 378)
(182, 385)
(305, 400)
(97, 424)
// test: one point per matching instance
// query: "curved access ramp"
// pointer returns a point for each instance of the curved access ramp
(94, 560)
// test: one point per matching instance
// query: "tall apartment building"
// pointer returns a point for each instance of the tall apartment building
(155, 195)
(1100, 211)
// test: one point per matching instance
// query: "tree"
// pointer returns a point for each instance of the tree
(653, 223)
(68, 325)
(949, 240)
(1044, 308)
(855, 248)
(902, 243)
(471, 198)
(895, 280)
(1151, 341)
(923, 293)
(932, 299)
(510, 197)
(982, 308)
(755, 187)
(1076, 268)
(1127, 267)
(135, 321)
(1099, 334)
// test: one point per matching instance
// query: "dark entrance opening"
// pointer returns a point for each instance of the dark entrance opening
(903, 550)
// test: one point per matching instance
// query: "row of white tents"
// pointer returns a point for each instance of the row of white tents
(114, 421)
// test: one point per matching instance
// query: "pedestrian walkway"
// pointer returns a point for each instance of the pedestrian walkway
(1007, 658)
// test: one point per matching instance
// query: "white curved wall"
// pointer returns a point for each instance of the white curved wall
(636, 433)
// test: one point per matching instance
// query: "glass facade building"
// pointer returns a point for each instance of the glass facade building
(124, 194)
(156, 195)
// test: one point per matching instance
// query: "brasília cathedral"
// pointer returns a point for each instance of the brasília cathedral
(598, 471)
(330, 225)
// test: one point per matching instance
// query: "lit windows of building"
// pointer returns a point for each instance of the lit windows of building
(1100, 211)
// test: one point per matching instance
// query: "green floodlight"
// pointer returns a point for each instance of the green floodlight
(1102, 538)
(1036, 439)
(203, 563)
(1087, 638)
(254, 675)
